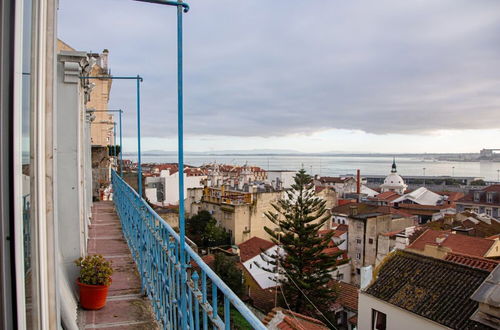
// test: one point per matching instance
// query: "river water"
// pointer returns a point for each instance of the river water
(341, 165)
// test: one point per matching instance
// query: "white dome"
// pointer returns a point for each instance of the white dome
(394, 182)
(394, 179)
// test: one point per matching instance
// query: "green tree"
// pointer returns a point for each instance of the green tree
(304, 266)
(227, 270)
(197, 223)
(214, 235)
(478, 183)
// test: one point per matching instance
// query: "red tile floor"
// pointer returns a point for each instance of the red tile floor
(126, 308)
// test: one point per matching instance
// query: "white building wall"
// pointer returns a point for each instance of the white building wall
(151, 195)
(73, 186)
(172, 186)
(343, 273)
(397, 318)
(341, 241)
(285, 177)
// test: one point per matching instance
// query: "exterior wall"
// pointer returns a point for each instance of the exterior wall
(330, 197)
(285, 177)
(193, 198)
(262, 299)
(343, 273)
(242, 221)
(341, 241)
(374, 226)
(384, 246)
(171, 186)
(340, 219)
(102, 134)
(355, 246)
(478, 208)
(397, 318)
(101, 170)
(434, 251)
(494, 250)
(73, 211)
(151, 195)
(362, 246)
(73, 186)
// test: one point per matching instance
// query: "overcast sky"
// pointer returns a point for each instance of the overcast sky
(361, 76)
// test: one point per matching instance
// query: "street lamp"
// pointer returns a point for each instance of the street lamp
(424, 175)
(453, 171)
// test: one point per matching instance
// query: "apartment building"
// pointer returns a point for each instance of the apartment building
(241, 214)
(364, 230)
(163, 188)
(486, 201)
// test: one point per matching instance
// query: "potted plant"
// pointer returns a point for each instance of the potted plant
(94, 281)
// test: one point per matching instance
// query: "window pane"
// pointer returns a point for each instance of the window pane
(27, 171)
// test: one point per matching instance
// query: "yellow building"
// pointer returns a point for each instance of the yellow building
(102, 126)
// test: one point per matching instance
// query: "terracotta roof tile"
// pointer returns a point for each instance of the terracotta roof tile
(348, 296)
(472, 261)
(387, 196)
(474, 246)
(253, 247)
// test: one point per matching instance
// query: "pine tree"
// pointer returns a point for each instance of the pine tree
(303, 266)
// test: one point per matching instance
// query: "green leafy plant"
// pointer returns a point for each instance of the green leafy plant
(94, 270)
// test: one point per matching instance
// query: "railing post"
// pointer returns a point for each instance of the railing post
(121, 145)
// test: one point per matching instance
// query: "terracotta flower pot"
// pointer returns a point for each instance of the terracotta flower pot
(92, 297)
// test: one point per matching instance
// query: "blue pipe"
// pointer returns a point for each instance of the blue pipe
(180, 139)
(139, 166)
(168, 3)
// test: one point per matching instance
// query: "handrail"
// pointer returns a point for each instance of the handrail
(155, 248)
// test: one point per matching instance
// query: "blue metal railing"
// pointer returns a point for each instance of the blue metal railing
(155, 247)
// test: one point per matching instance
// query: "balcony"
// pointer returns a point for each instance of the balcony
(155, 249)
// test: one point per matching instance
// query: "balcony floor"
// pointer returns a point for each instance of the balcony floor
(126, 308)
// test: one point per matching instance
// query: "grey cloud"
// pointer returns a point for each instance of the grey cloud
(277, 68)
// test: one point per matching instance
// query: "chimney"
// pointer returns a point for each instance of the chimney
(358, 182)
(353, 210)
(104, 59)
(440, 239)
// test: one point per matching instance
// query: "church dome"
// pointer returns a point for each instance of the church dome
(394, 179)
(394, 182)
